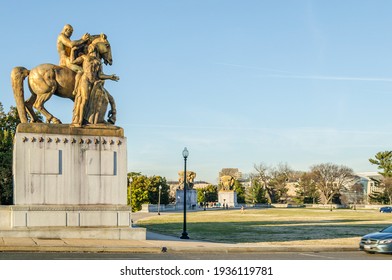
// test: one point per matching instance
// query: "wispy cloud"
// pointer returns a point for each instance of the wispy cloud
(284, 74)
(255, 68)
(332, 78)
(301, 130)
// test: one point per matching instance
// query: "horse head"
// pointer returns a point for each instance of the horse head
(102, 46)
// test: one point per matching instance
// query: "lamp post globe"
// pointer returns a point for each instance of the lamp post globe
(184, 234)
(185, 153)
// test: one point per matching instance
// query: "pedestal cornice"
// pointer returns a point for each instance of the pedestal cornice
(91, 130)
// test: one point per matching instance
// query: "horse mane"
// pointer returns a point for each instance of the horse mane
(94, 40)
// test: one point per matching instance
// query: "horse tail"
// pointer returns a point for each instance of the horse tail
(18, 74)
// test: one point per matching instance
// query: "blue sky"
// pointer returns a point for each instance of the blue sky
(236, 82)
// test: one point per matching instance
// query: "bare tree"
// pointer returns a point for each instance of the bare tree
(280, 177)
(353, 194)
(274, 180)
(331, 179)
(263, 175)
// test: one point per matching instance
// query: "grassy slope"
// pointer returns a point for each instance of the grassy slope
(271, 226)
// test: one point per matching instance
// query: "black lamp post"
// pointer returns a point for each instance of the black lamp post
(204, 200)
(129, 195)
(184, 235)
(159, 200)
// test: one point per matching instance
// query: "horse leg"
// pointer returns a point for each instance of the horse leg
(48, 85)
(29, 107)
(39, 106)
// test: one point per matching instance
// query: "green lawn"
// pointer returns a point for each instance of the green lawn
(272, 225)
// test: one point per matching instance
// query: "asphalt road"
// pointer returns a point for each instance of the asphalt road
(356, 255)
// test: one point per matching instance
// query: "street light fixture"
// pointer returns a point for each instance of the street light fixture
(159, 200)
(184, 235)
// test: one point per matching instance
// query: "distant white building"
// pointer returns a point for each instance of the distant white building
(368, 181)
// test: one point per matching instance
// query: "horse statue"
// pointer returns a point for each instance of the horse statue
(190, 178)
(227, 182)
(47, 79)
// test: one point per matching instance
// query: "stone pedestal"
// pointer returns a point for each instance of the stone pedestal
(191, 199)
(228, 198)
(71, 178)
(61, 165)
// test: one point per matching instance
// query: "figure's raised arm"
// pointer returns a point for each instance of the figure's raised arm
(112, 77)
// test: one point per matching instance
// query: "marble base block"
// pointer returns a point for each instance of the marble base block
(228, 198)
(191, 199)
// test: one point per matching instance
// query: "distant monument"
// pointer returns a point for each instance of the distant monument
(70, 180)
(227, 182)
(231, 172)
(227, 196)
(190, 179)
(191, 194)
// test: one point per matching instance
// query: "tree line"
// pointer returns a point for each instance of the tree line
(323, 183)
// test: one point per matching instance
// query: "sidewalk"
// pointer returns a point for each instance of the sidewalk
(158, 244)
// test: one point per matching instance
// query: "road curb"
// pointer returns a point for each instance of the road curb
(258, 249)
(152, 250)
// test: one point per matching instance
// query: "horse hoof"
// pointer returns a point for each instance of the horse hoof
(111, 121)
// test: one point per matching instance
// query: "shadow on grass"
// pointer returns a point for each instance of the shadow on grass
(267, 231)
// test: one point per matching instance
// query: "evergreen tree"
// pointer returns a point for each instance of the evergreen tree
(256, 193)
(383, 160)
(6, 179)
(211, 194)
(240, 190)
(145, 190)
(306, 189)
(8, 124)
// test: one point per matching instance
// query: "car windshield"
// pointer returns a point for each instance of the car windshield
(387, 230)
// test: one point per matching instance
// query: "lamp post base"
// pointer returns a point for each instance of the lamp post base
(184, 235)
